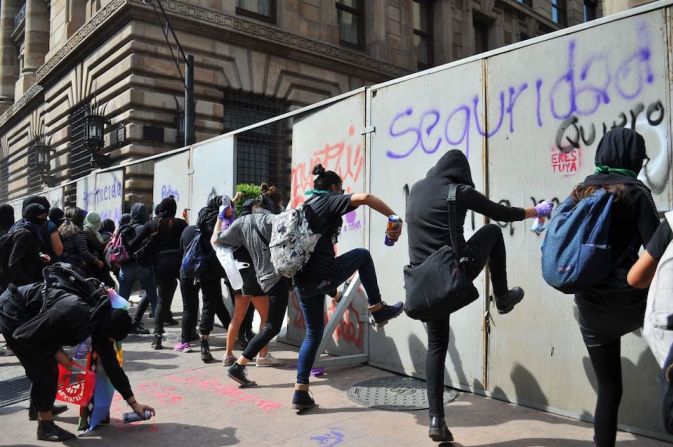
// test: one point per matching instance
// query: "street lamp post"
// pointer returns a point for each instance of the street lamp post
(188, 79)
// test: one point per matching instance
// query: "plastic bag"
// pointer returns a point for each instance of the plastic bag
(226, 257)
(76, 385)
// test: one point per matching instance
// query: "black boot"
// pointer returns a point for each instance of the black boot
(505, 303)
(302, 400)
(439, 432)
(55, 410)
(156, 342)
(206, 356)
(48, 431)
(138, 329)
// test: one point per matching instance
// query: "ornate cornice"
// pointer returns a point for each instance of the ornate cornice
(35, 90)
(276, 36)
(81, 35)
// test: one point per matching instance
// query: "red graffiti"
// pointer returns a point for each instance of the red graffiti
(565, 163)
(341, 157)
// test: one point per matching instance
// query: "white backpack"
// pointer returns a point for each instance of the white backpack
(660, 305)
(292, 241)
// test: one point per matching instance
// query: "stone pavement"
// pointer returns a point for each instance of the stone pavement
(197, 405)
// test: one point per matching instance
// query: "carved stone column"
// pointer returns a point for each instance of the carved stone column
(9, 60)
(36, 42)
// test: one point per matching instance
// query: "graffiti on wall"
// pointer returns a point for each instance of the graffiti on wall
(105, 199)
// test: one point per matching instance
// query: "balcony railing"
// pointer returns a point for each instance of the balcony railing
(20, 17)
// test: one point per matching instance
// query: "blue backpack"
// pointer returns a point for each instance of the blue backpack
(194, 259)
(576, 251)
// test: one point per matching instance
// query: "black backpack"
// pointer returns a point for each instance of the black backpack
(6, 246)
(64, 277)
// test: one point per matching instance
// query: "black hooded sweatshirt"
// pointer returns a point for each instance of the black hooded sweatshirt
(613, 308)
(427, 208)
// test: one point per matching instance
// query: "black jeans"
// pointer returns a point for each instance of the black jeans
(438, 343)
(488, 245)
(165, 291)
(41, 370)
(278, 297)
(213, 304)
(607, 363)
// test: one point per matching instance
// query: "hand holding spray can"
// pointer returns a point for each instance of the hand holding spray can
(132, 416)
(394, 222)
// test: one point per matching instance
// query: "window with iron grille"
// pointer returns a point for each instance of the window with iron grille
(4, 180)
(34, 178)
(263, 154)
(80, 156)
(351, 21)
(559, 12)
(423, 33)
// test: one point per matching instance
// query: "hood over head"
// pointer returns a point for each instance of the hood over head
(621, 148)
(42, 200)
(139, 214)
(453, 166)
(125, 219)
(56, 215)
(167, 208)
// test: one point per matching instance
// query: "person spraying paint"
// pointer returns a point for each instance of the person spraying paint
(429, 230)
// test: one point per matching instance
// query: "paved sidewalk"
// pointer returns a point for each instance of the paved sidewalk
(197, 405)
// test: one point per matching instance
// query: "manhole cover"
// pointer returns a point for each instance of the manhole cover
(14, 390)
(395, 393)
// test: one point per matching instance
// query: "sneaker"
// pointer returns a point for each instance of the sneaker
(206, 356)
(183, 346)
(170, 321)
(139, 329)
(302, 401)
(48, 431)
(386, 313)
(505, 304)
(55, 411)
(268, 361)
(439, 432)
(239, 373)
(156, 342)
(228, 360)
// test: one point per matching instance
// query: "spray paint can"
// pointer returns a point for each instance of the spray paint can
(394, 222)
(538, 225)
(132, 416)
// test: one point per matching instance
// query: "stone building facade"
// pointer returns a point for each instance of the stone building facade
(63, 59)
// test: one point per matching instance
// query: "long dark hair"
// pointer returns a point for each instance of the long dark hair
(582, 191)
(325, 179)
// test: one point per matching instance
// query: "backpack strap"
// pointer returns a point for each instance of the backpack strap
(258, 231)
(451, 201)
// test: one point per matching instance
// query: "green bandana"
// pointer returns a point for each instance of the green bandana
(600, 169)
(316, 192)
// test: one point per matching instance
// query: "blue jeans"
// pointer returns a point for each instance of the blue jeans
(312, 301)
(128, 275)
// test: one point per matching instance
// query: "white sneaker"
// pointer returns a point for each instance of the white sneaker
(228, 360)
(268, 361)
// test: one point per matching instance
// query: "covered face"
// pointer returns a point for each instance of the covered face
(621, 148)
(453, 166)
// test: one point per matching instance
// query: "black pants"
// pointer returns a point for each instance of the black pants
(607, 363)
(488, 245)
(165, 291)
(278, 297)
(213, 304)
(41, 371)
(438, 343)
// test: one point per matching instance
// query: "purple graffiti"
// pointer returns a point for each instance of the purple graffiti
(168, 191)
(585, 84)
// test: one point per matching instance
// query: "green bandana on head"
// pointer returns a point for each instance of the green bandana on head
(600, 169)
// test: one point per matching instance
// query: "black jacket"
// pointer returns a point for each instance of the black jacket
(427, 208)
(25, 265)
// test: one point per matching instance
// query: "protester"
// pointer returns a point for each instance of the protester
(324, 271)
(25, 260)
(250, 293)
(271, 198)
(6, 218)
(130, 226)
(56, 216)
(428, 230)
(107, 229)
(208, 280)
(50, 240)
(94, 240)
(612, 308)
(249, 231)
(75, 247)
(37, 320)
(167, 230)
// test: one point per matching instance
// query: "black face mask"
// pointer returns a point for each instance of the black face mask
(39, 221)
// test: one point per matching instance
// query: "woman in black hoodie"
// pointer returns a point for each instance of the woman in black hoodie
(613, 308)
(428, 229)
(167, 230)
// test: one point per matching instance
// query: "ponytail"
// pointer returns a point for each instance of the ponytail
(325, 179)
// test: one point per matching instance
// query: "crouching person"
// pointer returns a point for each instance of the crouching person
(38, 319)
